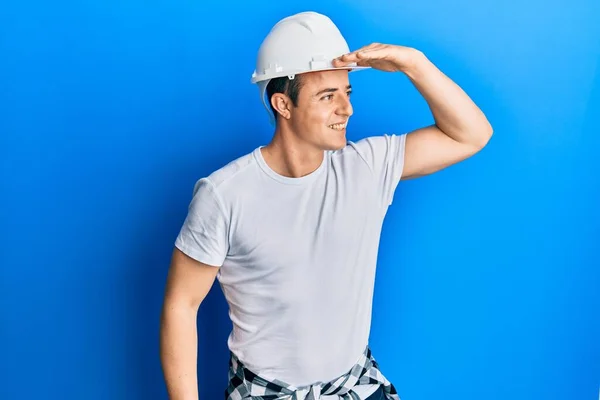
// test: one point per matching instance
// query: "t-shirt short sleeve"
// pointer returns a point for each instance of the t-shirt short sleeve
(385, 157)
(205, 231)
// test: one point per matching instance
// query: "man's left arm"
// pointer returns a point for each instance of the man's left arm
(460, 130)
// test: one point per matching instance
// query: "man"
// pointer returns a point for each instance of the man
(292, 229)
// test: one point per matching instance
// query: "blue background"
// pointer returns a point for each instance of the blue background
(488, 280)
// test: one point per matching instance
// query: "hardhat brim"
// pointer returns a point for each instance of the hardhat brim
(257, 79)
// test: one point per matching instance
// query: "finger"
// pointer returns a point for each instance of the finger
(344, 61)
(350, 57)
(364, 55)
(370, 49)
(373, 54)
(373, 48)
(365, 48)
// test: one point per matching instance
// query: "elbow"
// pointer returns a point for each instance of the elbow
(483, 135)
(178, 308)
(489, 131)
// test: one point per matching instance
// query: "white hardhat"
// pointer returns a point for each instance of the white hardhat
(300, 43)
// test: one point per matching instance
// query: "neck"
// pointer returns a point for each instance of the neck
(290, 156)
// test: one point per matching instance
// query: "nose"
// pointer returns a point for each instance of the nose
(345, 107)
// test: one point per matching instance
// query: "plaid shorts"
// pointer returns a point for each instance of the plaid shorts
(244, 384)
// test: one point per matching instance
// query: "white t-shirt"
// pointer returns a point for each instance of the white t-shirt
(297, 256)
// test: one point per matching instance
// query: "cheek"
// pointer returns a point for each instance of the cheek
(314, 116)
(320, 115)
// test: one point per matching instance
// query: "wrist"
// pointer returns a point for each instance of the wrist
(415, 61)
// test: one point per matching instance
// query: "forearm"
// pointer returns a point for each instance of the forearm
(178, 351)
(454, 112)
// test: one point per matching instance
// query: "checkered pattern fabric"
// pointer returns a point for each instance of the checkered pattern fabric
(244, 384)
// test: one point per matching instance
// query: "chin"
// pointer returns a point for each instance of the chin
(330, 142)
(340, 144)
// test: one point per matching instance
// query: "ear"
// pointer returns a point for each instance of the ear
(282, 104)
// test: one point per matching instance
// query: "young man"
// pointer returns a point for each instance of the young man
(291, 230)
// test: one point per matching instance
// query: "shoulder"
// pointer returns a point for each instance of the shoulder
(232, 171)
(371, 149)
(225, 185)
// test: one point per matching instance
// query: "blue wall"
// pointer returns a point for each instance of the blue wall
(488, 281)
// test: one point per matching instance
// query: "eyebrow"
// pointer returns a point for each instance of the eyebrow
(331, 90)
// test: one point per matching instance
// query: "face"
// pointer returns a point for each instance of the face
(323, 109)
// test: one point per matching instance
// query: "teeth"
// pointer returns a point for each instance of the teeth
(338, 127)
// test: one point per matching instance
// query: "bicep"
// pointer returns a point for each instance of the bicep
(188, 280)
(429, 150)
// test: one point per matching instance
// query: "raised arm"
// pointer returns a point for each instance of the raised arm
(460, 130)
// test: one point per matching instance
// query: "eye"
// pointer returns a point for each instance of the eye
(349, 92)
(327, 97)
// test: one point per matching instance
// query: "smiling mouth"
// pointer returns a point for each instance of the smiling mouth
(338, 127)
